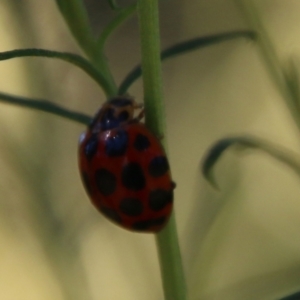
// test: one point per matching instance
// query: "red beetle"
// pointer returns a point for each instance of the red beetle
(124, 168)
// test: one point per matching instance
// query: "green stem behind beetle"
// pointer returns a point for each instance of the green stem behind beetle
(151, 66)
(167, 240)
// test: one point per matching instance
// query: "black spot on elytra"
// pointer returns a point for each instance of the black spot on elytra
(147, 224)
(117, 145)
(111, 214)
(158, 166)
(91, 147)
(141, 142)
(131, 207)
(158, 199)
(86, 182)
(133, 177)
(106, 181)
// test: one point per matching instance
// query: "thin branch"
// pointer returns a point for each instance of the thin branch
(185, 47)
(46, 106)
(72, 58)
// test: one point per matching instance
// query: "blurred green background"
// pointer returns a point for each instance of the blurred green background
(239, 243)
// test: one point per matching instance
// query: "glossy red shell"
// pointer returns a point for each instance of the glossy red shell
(138, 197)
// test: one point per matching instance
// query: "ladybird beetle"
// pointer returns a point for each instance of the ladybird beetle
(124, 168)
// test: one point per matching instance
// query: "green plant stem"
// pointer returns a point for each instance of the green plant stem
(167, 240)
(170, 262)
(101, 63)
(151, 66)
(269, 55)
(75, 15)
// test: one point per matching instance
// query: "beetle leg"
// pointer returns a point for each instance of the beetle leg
(140, 116)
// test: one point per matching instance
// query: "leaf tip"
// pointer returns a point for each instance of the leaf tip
(211, 159)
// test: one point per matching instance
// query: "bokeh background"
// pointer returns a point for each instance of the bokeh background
(239, 243)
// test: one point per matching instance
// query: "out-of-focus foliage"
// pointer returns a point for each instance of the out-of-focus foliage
(238, 243)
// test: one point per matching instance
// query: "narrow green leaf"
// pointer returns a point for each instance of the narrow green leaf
(286, 156)
(292, 297)
(205, 41)
(74, 59)
(291, 76)
(185, 47)
(46, 106)
(212, 157)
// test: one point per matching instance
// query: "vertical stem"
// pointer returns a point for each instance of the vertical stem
(167, 240)
(151, 65)
(170, 262)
